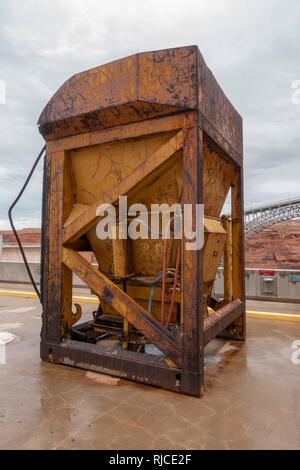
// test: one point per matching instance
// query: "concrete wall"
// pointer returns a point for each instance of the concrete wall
(12, 253)
(15, 273)
(284, 289)
(278, 287)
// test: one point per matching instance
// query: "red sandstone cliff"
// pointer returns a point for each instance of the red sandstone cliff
(275, 247)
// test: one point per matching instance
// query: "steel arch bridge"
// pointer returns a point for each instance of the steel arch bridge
(259, 218)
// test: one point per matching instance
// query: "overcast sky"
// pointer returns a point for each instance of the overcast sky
(252, 47)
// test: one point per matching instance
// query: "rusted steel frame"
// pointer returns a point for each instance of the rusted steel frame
(54, 297)
(192, 277)
(237, 235)
(214, 137)
(237, 329)
(134, 181)
(125, 305)
(233, 158)
(44, 242)
(124, 132)
(218, 321)
(126, 364)
(227, 261)
(66, 305)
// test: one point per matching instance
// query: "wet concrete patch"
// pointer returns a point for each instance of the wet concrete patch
(220, 352)
(17, 310)
(10, 326)
(103, 379)
(6, 337)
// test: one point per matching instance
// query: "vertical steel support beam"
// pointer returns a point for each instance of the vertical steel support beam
(55, 291)
(45, 244)
(227, 261)
(192, 377)
(237, 330)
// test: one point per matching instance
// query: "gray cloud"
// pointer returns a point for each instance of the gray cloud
(251, 46)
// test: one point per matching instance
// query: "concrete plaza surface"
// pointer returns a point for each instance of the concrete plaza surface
(251, 401)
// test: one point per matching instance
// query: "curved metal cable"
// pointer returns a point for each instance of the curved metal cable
(12, 224)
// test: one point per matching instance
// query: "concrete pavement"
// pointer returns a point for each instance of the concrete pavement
(251, 396)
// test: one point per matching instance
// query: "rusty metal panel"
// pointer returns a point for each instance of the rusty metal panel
(169, 77)
(146, 85)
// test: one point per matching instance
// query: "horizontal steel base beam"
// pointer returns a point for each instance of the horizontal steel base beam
(221, 319)
(119, 362)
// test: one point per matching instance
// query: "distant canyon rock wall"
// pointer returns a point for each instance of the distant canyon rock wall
(276, 247)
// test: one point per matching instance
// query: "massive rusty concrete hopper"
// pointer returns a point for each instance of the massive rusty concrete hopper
(157, 128)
